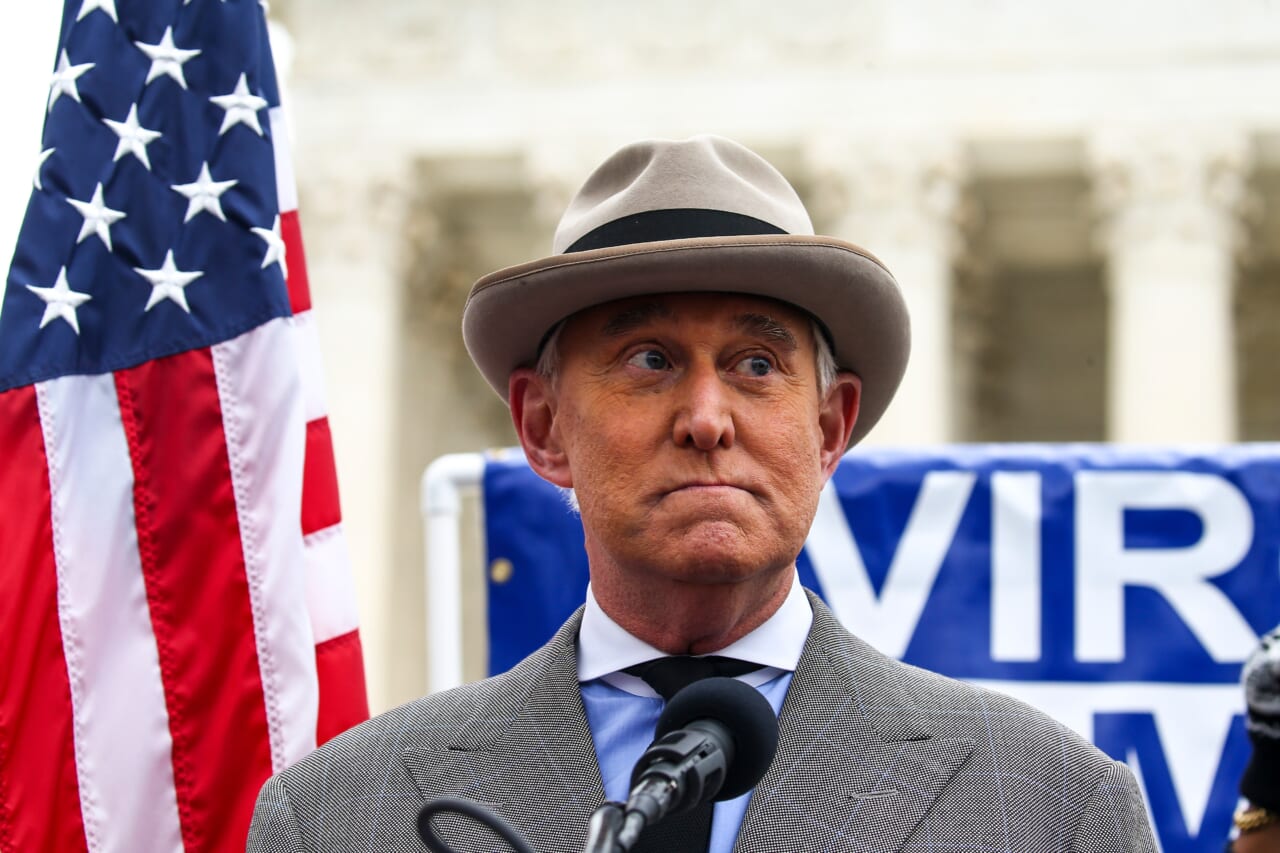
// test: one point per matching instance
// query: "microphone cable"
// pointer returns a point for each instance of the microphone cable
(465, 808)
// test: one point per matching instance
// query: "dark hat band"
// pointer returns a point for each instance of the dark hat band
(652, 226)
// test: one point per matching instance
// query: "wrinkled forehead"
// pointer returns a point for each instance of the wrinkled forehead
(768, 319)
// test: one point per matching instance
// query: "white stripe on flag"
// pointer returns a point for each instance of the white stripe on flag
(286, 183)
(306, 338)
(123, 747)
(258, 388)
(331, 592)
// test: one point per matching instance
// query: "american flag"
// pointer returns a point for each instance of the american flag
(176, 608)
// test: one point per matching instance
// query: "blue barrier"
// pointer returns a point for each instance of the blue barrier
(1119, 589)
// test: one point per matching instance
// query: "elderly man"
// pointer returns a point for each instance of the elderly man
(692, 361)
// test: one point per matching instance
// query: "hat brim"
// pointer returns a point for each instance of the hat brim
(851, 293)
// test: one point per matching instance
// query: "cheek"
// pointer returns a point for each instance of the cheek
(792, 437)
(599, 451)
(793, 450)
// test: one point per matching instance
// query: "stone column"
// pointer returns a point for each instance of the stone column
(1170, 205)
(901, 200)
(347, 221)
(554, 169)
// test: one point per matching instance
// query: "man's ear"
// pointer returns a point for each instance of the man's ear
(837, 416)
(533, 412)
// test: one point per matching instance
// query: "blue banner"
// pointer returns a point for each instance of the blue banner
(1119, 589)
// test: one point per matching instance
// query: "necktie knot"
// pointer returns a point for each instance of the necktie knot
(669, 675)
(686, 832)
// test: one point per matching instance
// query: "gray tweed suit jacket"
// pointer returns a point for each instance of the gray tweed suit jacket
(874, 755)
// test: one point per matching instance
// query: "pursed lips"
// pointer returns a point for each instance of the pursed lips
(709, 486)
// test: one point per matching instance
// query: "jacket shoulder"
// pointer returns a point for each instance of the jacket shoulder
(901, 696)
(464, 717)
(1049, 787)
(357, 786)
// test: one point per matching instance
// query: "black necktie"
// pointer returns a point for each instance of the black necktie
(688, 832)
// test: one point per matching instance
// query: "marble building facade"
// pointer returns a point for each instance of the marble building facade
(1081, 201)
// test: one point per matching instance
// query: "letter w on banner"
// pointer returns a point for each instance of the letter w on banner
(176, 614)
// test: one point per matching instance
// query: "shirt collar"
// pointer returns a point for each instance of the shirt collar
(605, 647)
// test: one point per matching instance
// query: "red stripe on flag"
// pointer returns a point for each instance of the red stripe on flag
(343, 698)
(296, 260)
(39, 791)
(197, 589)
(320, 507)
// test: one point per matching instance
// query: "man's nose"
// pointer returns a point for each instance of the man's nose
(705, 418)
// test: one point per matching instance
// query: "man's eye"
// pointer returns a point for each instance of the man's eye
(650, 359)
(755, 365)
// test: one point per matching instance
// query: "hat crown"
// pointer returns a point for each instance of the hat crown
(704, 215)
(704, 173)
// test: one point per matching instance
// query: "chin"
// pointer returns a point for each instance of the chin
(713, 566)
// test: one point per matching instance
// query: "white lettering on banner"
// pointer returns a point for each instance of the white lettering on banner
(888, 623)
(1104, 567)
(1193, 721)
(1015, 566)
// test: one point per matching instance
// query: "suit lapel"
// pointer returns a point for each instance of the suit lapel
(856, 769)
(535, 765)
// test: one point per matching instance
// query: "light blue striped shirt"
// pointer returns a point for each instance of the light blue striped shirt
(622, 710)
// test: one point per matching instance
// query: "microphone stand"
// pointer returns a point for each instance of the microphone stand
(678, 771)
(615, 828)
(604, 829)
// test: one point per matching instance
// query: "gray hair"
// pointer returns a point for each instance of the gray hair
(548, 365)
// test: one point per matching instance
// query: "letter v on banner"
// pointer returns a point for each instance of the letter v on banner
(889, 621)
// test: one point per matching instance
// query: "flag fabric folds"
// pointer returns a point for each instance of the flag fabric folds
(176, 610)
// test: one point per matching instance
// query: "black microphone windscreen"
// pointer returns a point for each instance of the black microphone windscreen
(743, 711)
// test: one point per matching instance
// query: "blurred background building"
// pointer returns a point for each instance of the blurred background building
(1080, 199)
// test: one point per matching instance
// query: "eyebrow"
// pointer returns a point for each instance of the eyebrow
(638, 316)
(630, 319)
(768, 328)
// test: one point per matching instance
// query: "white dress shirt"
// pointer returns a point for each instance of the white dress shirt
(623, 710)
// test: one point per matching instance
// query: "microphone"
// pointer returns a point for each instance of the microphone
(714, 741)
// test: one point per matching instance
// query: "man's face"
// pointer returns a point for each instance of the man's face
(691, 428)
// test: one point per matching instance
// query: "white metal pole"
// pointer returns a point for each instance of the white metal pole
(441, 501)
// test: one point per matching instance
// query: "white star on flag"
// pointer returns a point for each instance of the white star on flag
(60, 301)
(200, 381)
(44, 155)
(275, 247)
(166, 58)
(134, 138)
(168, 283)
(64, 80)
(108, 6)
(241, 106)
(98, 218)
(204, 194)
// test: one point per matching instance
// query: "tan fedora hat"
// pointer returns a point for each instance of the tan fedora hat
(703, 214)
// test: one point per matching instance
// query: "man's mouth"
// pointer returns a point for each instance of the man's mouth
(709, 487)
